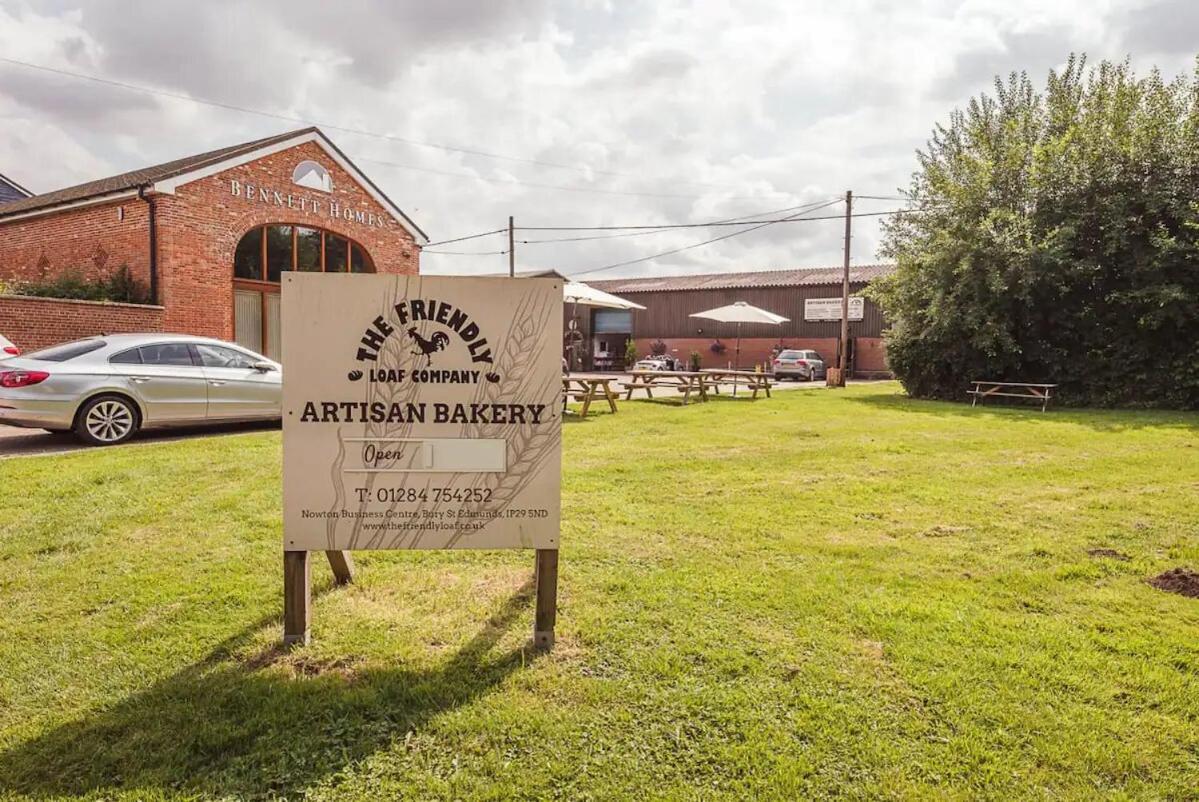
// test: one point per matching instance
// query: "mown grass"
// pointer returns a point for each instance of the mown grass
(824, 594)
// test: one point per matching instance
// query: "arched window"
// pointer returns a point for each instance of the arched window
(259, 262)
(264, 253)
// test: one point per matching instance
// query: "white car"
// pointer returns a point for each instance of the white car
(658, 363)
(7, 349)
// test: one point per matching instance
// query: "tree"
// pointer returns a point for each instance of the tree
(1055, 238)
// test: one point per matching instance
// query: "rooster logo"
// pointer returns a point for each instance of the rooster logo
(427, 348)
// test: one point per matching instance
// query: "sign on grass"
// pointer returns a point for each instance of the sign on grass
(421, 412)
(830, 308)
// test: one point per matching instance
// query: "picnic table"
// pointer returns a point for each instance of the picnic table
(588, 387)
(751, 379)
(685, 381)
(1038, 392)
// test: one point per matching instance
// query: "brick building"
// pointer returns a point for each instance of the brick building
(207, 236)
(809, 297)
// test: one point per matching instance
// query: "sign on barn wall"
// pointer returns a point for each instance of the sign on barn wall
(421, 412)
(830, 308)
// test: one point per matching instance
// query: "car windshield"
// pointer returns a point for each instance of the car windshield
(791, 355)
(61, 353)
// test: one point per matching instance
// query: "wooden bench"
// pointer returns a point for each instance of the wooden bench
(588, 387)
(1037, 392)
(686, 382)
(746, 378)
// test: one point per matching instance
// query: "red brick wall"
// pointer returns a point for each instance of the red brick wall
(870, 353)
(200, 226)
(94, 240)
(870, 357)
(33, 323)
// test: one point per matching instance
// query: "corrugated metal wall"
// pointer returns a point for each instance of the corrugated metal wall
(667, 313)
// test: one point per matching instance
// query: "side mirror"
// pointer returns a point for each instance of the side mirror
(263, 367)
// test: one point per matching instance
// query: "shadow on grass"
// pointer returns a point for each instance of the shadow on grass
(1107, 420)
(237, 728)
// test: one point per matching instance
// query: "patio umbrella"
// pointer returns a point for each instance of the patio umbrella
(741, 312)
(576, 292)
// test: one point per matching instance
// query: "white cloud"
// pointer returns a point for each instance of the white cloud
(710, 110)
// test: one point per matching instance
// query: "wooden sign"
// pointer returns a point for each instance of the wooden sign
(421, 412)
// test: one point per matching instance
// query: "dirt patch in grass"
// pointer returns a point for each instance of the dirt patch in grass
(1182, 581)
(1110, 554)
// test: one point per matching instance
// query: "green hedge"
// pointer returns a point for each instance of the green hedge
(1057, 240)
(121, 286)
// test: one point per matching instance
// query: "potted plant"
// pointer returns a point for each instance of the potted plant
(630, 353)
(694, 362)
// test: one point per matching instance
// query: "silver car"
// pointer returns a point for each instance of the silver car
(797, 364)
(7, 349)
(107, 388)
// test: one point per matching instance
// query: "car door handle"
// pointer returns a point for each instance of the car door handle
(139, 379)
(217, 382)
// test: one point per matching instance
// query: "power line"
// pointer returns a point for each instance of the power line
(700, 244)
(805, 206)
(464, 239)
(464, 253)
(642, 230)
(667, 227)
(346, 129)
(791, 219)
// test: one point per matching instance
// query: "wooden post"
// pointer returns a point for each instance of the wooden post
(512, 249)
(843, 357)
(297, 597)
(342, 565)
(546, 615)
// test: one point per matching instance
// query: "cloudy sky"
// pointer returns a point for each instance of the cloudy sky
(561, 114)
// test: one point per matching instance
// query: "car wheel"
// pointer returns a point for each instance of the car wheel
(107, 421)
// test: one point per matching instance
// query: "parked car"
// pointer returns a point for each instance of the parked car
(107, 388)
(7, 349)
(793, 364)
(663, 362)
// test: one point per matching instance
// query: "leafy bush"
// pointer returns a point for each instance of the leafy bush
(658, 347)
(1058, 241)
(121, 286)
(695, 362)
(630, 353)
(717, 347)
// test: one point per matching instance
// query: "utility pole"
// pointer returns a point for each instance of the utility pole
(843, 362)
(512, 249)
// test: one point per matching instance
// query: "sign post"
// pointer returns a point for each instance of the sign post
(420, 413)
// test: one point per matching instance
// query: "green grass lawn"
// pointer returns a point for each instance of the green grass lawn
(822, 594)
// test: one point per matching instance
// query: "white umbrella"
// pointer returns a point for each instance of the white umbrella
(576, 292)
(741, 312)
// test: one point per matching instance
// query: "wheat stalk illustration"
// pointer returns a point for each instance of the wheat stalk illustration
(528, 447)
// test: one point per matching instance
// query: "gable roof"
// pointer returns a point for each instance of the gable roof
(11, 191)
(795, 277)
(166, 177)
